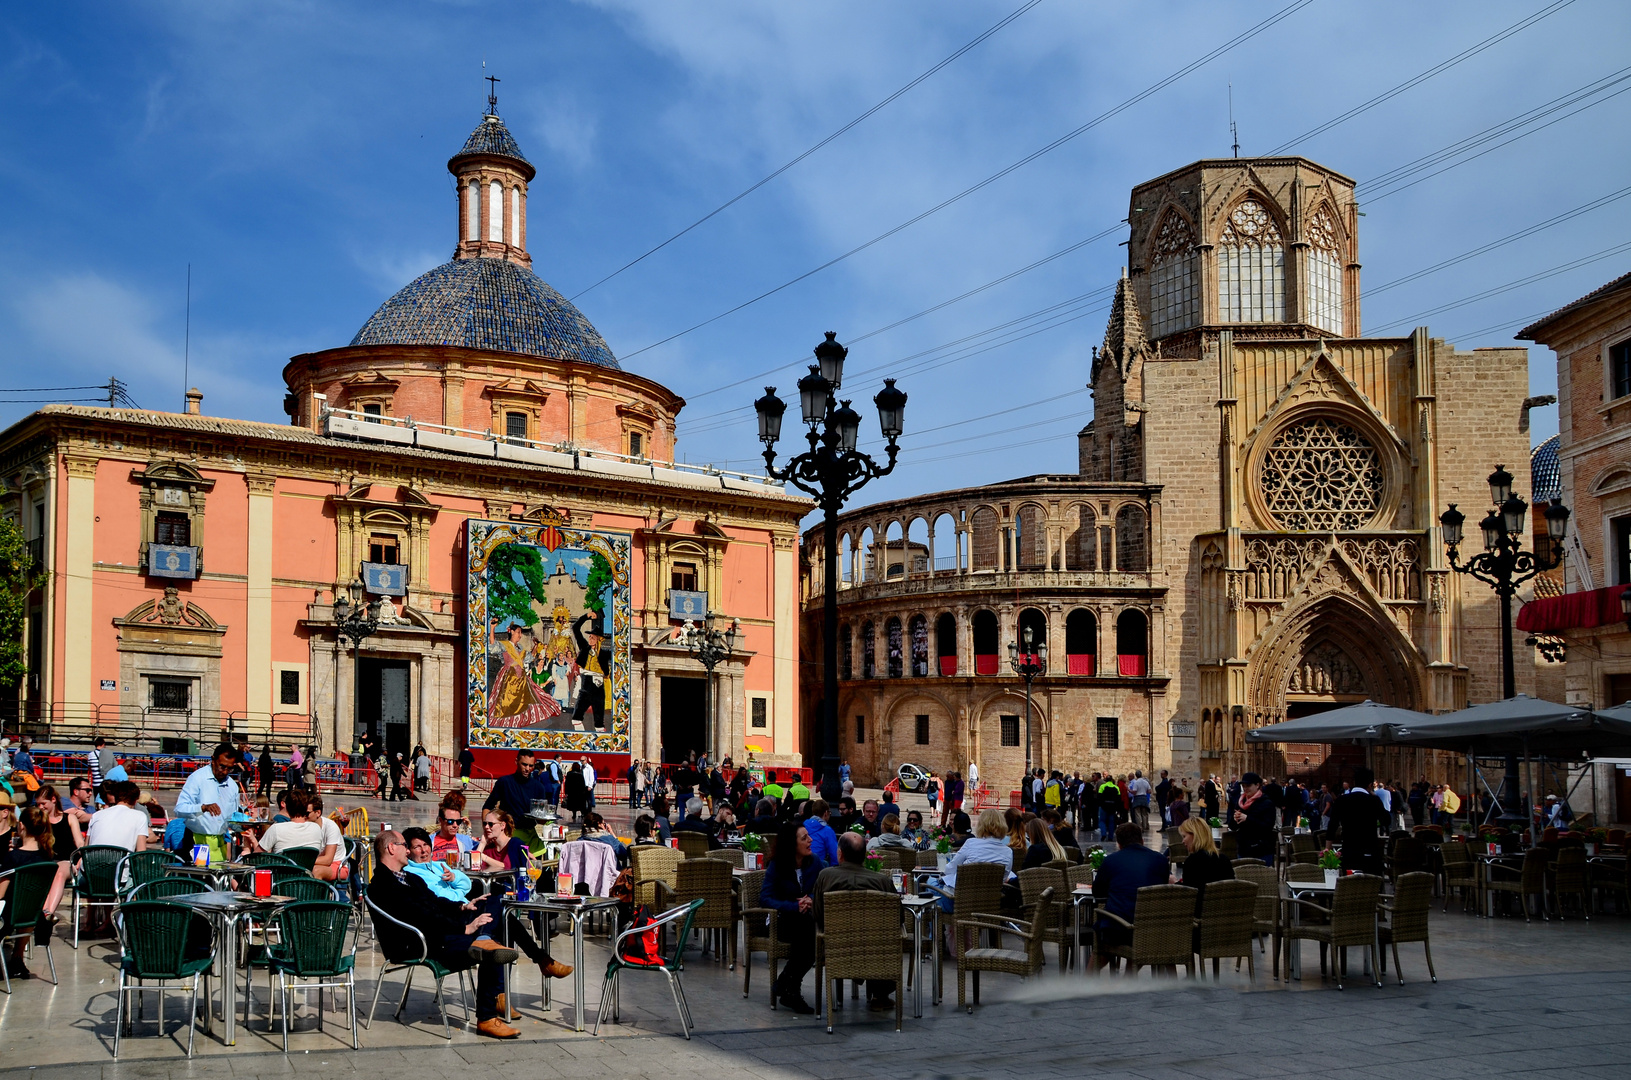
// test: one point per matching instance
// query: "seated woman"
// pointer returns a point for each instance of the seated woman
(33, 847)
(1043, 847)
(989, 844)
(889, 837)
(66, 837)
(500, 849)
(594, 828)
(914, 833)
(1203, 865)
(788, 882)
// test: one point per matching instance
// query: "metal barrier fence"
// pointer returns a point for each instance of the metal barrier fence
(145, 727)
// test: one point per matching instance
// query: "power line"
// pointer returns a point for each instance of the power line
(1437, 69)
(1542, 275)
(755, 187)
(1511, 126)
(1233, 42)
(1567, 215)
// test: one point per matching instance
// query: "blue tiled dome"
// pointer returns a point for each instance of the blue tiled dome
(486, 304)
(1545, 475)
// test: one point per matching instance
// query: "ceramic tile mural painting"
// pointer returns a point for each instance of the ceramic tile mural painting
(548, 637)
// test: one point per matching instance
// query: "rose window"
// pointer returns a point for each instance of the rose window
(1322, 476)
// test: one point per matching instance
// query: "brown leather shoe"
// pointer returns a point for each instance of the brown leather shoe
(504, 1009)
(488, 949)
(556, 970)
(494, 1028)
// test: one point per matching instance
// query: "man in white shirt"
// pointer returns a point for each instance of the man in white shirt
(589, 781)
(308, 828)
(208, 800)
(122, 823)
(1138, 793)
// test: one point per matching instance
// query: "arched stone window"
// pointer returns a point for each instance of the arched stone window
(1251, 267)
(1132, 644)
(918, 631)
(1322, 475)
(1174, 303)
(1132, 540)
(1082, 545)
(983, 549)
(495, 212)
(472, 211)
(985, 643)
(846, 652)
(1037, 623)
(892, 639)
(945, 643)
(1325, 271)
(1030, 542)
(1081, 642)
(869, 652)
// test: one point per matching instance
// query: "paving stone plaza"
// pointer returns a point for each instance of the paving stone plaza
(1512, 998)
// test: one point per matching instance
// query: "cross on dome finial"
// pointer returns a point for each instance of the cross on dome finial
(492, 94)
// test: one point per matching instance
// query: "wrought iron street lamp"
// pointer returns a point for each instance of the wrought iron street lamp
(1028, 664)
(709, 646)
(353, 621)
(1504, 565)
(830, 471)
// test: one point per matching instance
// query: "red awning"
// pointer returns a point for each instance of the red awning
(1576, 610)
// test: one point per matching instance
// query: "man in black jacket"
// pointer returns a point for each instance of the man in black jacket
(1251, 819)
(1360, 821)
(455, 934)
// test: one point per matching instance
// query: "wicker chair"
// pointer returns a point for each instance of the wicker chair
(1459, 872)
(1228, 911)
(1006, 961)
(1569, 878)
(1079, 875)
(1228, 847)
(979, 892)
(708, 880)
(1266, 911)
(1032, 884)
(908, 858)
(1177, 853)
(1163, 929)
(1527, 881)
(759, 932)
(1409, 856)
(1300, 871)
(693, 845)
(653, 866)
(1302, 844)
(1407, 918)
(732, 855)
(1615, 879)
(888, 858)
(1352, 924)
(861, 940)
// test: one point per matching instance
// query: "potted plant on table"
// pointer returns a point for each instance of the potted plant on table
(1331, 863)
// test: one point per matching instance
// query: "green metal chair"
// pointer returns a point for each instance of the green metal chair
(94, 871)
(299, 887)
(166, 887)
(263, 859)
(310, 953)
(140, 867)
(414, 954)
(671, 965)
(153, 946)
(303, 857)
(24, 904)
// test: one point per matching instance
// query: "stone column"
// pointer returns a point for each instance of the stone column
(258, 595)
(79, 620)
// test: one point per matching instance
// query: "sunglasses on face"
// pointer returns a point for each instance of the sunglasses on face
(489, 824)
(454, 820)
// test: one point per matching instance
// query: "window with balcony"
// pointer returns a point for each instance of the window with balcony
(637, 444)
(683, 577)
(1081, 642)
(893, 641)
(515, 425)
(1132, 644)
(986, 647)
(383, 548)
(918, 632)
(170, 527)
(945, 643)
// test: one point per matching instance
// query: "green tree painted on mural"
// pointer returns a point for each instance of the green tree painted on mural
(600, 576)
(18, 575)
(508, 598)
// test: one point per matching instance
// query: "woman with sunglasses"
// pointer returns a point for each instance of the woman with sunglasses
(500, 849)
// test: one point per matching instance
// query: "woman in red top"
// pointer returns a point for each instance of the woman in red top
(500, 850)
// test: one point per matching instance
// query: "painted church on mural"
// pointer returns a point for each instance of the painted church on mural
(1249, 533)
(477, 464)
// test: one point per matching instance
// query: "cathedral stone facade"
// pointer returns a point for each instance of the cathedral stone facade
(1289, 474)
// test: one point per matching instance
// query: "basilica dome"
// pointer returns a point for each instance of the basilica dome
(491, 304)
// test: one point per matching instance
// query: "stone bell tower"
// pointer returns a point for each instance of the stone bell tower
(492, 176)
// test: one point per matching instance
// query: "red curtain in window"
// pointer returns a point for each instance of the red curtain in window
(986, 664)
(1132, 666)
(948, 665)
(1080, 664)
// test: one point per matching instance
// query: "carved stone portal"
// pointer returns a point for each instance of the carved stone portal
(1326, 669)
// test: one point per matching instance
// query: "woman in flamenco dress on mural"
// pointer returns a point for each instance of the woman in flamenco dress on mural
(516, 700)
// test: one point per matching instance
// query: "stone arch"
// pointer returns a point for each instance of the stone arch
(1081, 642)
(894, 647)
(1132, 538)
(1276, 436)
(917, 646)
(1030, 536)
(987, 642)
(943, 541)
(1386, 665)
(984, 537)
(1082, 542)
(945, 643)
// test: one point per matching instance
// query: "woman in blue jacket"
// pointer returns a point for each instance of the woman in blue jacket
(789, 880)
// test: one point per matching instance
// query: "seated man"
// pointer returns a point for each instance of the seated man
(447, 837)
(694, 821)
(766, 818)
(851, 875)
(455, 934)
(307, 828)
(1123, 872)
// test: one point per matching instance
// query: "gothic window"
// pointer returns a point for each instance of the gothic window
(846, 653)
(869, 652)
(892, 637)
(920, 646)
(1324, 271)
(1132, 540)
(1251, 267)
(1081, 546)
(1322, 476)
(1173, 301)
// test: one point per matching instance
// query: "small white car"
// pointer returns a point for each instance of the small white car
(912, 777)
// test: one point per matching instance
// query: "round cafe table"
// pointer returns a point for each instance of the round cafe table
(225, 910)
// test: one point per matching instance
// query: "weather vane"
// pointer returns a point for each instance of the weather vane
(492, 95)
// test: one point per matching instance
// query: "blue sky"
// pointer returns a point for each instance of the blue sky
(294, 154)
